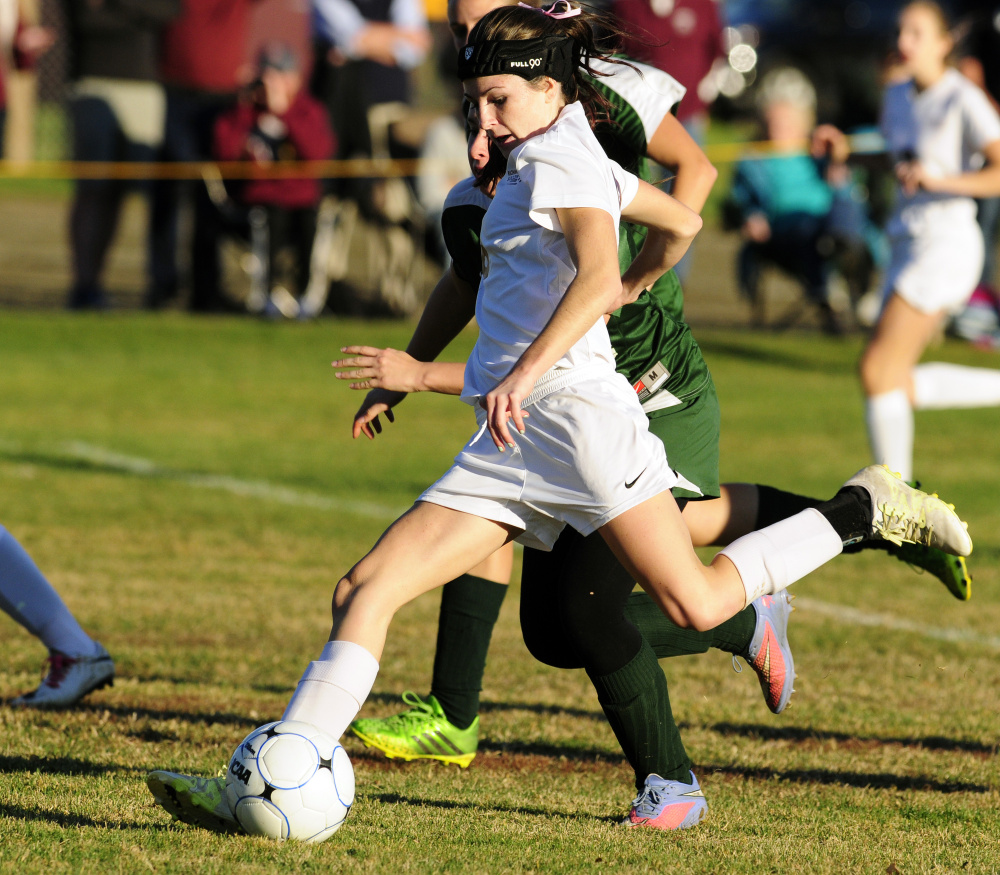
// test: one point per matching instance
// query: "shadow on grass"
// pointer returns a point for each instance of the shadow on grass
(452, 805)
(62, 766)
(874, 780)
(857, 742)
(500, 756)
(185, 716)
(61, 818)
(502, 707)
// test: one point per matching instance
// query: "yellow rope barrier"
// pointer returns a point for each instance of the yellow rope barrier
(352, 168)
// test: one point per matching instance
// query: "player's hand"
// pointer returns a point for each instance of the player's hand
(912, 177)
(503, 404)
(757, 228)
(378, 401)
(830, 142)
(374, 368)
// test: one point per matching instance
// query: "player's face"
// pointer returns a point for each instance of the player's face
(463, 15)
(511, 110)
(922, 43)
(479, 151)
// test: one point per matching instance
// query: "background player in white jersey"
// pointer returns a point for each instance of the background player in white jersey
(944, 137)
(585, 457)
(77, 664)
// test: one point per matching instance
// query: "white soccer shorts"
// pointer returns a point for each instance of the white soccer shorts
(936, 271)
(586, 457)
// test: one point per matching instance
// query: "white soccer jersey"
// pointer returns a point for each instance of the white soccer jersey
(526, 262)
(937, 247)
(945, 127)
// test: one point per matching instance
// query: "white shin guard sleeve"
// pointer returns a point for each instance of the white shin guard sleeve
(334, 687)
(889, 417)
(776, 556)
(944, 386)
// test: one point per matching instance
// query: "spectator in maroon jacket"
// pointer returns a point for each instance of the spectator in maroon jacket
(203, 65)
(278, 120)
(682, 38)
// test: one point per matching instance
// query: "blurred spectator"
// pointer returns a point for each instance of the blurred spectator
(20, 44)
(277, 120)
(797, 210)
(118, 110)
(366, 50)
(203, 65)
(682, 38)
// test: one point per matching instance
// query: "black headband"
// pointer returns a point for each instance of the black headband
(552, 55)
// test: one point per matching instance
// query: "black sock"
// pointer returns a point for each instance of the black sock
(469, 610)
(850, 514)
(774, 505)
(637, 705)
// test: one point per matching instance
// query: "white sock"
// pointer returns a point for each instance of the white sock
(29, 598)
(334, 687)
(943, 386)
(770, 559)
(890, 431)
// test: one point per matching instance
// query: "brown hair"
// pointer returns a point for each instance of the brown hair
(934, 8)
(596, 35)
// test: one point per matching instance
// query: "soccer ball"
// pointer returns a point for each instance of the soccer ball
(290, 780)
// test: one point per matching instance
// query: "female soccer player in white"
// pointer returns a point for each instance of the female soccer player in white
(944, 137)
(583, 454)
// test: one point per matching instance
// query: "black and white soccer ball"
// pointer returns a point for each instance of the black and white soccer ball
(290, 780)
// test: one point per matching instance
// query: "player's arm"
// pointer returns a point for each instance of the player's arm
(449, 309)
(672, 226)
(590, 237)
(982, 183)
(673, 147)
(375, 368)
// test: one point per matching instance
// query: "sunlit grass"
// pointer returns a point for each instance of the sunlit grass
(126, 447)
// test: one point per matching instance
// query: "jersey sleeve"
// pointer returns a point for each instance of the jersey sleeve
(628, 184)
(980, 121)
(641, 97)
(564, 179)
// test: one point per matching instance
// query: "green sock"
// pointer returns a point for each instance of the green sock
(637, 705)
(668, 639)
(469, 610)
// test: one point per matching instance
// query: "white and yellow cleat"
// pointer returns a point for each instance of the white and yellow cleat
(904, 515)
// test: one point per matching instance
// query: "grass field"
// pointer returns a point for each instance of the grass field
(191, 489)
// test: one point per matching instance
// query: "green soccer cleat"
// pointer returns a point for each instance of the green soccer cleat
(198, 801)
(422, 733)
(952, 571)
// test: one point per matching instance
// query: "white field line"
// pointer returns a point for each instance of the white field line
(855, 617)
(109, 459)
